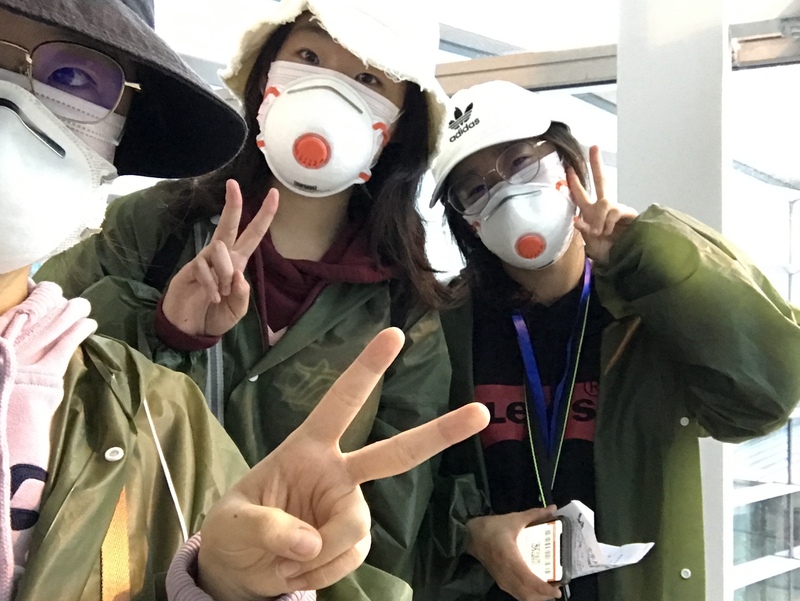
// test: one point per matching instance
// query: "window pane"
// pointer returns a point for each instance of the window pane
(784, 587)
(765, 528)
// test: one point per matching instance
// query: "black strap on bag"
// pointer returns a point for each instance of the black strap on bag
(165, 262)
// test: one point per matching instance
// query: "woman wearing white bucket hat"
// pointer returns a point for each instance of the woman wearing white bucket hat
(604, 344)
(343, 112)
(107, 461)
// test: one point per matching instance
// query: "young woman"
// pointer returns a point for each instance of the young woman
(343, 112)
(604, 343)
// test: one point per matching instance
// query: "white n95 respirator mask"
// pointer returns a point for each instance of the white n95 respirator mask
(320, 131)
(530, 225)
(50, 182)
(103, 131)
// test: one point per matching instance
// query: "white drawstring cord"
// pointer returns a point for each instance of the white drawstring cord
(165, 467)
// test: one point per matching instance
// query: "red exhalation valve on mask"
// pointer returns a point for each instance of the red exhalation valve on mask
(312, 151)
(530, 246)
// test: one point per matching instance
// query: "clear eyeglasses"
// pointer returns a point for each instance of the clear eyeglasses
(518, 164)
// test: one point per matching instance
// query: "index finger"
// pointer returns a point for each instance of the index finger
(596, 163)
(330, 418)
(255, 231)
(228, 227)
(579, 195)
(412, 447)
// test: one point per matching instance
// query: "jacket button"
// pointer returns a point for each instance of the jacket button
(686, 573)
(253, 378)
(114, 454)
(685, 422)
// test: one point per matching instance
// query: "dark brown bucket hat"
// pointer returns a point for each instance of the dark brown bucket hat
(176, 125)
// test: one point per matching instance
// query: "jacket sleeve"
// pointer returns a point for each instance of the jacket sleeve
(444, 570)
(735, 339)
(109, 269)
(182, 576)
(414, 392)
(131, 234)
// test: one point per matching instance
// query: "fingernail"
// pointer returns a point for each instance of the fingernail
(305, 543)
(288, 569)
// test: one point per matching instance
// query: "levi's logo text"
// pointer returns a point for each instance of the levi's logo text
(506, 405)
(461, 123)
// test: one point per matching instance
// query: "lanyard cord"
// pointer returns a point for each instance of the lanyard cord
(562, 397)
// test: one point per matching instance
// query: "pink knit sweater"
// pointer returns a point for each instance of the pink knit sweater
(37, 339)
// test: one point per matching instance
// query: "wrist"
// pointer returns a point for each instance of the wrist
(214, 583)
(473, 527)
(176, 338)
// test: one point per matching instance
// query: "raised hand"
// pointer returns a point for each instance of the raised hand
(493, 542)
(209, 295)
(298, 519)
(602, 221)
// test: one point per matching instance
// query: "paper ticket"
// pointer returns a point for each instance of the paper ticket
(588, 556)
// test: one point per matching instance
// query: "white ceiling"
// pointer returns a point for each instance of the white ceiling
(209, 28)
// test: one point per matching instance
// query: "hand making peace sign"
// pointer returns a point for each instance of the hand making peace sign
(298, 519)
(209, 295)
(602, 221)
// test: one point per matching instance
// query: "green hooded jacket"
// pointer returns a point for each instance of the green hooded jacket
(268, 392)
(701, 344)
(106, 387)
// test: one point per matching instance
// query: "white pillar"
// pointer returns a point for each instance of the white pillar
(673, 64)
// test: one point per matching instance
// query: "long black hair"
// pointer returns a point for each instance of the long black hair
(387, 203)
(484, 275)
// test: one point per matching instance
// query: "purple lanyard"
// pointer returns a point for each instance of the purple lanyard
(549, 427)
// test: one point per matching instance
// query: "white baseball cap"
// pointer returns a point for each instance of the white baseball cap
(484, 115)
(399, 38)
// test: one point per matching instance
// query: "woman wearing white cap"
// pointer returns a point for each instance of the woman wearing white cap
(343, 112)
(604, 344)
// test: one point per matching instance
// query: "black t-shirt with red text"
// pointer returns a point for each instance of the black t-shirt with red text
(500, 384)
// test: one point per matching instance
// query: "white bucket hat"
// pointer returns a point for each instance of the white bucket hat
(484, 115)
(398, 38)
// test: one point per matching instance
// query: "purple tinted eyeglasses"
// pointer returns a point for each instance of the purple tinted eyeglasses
(76, 70)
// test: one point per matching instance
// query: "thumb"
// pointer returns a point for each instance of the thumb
(271, 530)
(537, 515)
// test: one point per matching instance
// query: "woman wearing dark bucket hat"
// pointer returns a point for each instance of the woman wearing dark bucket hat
(343, 111)
(176, 126)
(108, 462)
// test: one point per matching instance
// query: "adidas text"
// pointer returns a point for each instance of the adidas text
(464, 130)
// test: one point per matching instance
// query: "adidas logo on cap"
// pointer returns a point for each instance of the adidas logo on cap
(461, 123)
